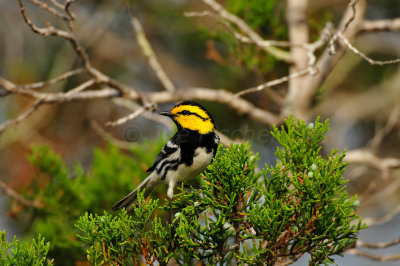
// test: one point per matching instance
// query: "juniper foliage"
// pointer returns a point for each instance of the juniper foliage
(29, 253)
(239, 214)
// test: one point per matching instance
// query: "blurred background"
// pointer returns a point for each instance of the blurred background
(357, 97)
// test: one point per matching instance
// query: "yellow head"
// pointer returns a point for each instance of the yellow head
(191, 115)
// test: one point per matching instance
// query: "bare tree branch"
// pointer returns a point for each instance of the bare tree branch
(246, 29)
(368, 255)
(275, 82)
(393, 120)
(385, 165)
(360, 243)
(148, 52)
(380, 25)
(127, 118)
(110, 138)
(17, 197)
(365, 57)
(327, 61)
(383, 219)
(21, 117)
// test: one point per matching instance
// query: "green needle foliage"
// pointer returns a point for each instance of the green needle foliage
(66, 193)
(30, 253)
(240, 214)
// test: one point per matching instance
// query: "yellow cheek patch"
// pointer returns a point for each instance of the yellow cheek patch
(195, 123)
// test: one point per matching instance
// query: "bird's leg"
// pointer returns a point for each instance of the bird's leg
(170, 194)
(170, 210)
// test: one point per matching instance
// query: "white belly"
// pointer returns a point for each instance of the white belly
(200, 162)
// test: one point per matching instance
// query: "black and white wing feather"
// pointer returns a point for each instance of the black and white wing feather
(169, 148)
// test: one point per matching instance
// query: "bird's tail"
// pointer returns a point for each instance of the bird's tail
(131, 199)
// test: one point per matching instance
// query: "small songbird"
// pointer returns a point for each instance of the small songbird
(186, 154)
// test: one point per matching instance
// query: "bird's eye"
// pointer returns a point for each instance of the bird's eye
(185, 112)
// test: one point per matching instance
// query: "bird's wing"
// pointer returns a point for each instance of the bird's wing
(169, 148)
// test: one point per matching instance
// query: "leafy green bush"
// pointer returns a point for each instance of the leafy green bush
(255, 217)
(30, 253)
(65, 194)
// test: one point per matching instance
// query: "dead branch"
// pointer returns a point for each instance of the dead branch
(17, 197)
(360, 243)
(385, 165)
(127, 118)
(393, 120)
(380, 25)
(368, 255)
(365, 57)
(148, 52)
(327, 61)
(21, 117)
(110, 138)
(247, 30)
(383, 219)
(275, 82)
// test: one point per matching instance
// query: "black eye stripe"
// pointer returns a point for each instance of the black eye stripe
(186, 112)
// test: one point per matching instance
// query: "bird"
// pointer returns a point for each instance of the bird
(186, 155)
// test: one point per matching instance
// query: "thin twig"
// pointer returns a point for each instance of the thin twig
(126, 118)
(152, 116)
(108, 137)
(47, 31)
(368, 255)
(380, 25)
(148, 52)
(383, 219)
(240, 37)
(42, 84)
(246, 29)
(13, 194)
(81, 87)
(364, 56)
(395, 241)
(49, 9)
(274, 82)
(370, 159)
(392, 121)
(21, 117)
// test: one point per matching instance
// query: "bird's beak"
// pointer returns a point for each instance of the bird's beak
(168, 114)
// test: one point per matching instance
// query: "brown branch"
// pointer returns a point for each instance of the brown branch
(148, 52)
(127, 118)
(148, 115)
(83, 86)
(65, 76)
(380, 25)
(383, 219)
(110, 138)
(21, 117)
(246, 29)
(393, 120)
(275, 82)
(47, 31)
(385, 165)
(240, 105)
(360, 243)
(365, 57)
(17, 197)
(327, 61)
(49, 9)
(368, 255)
(240, 37)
